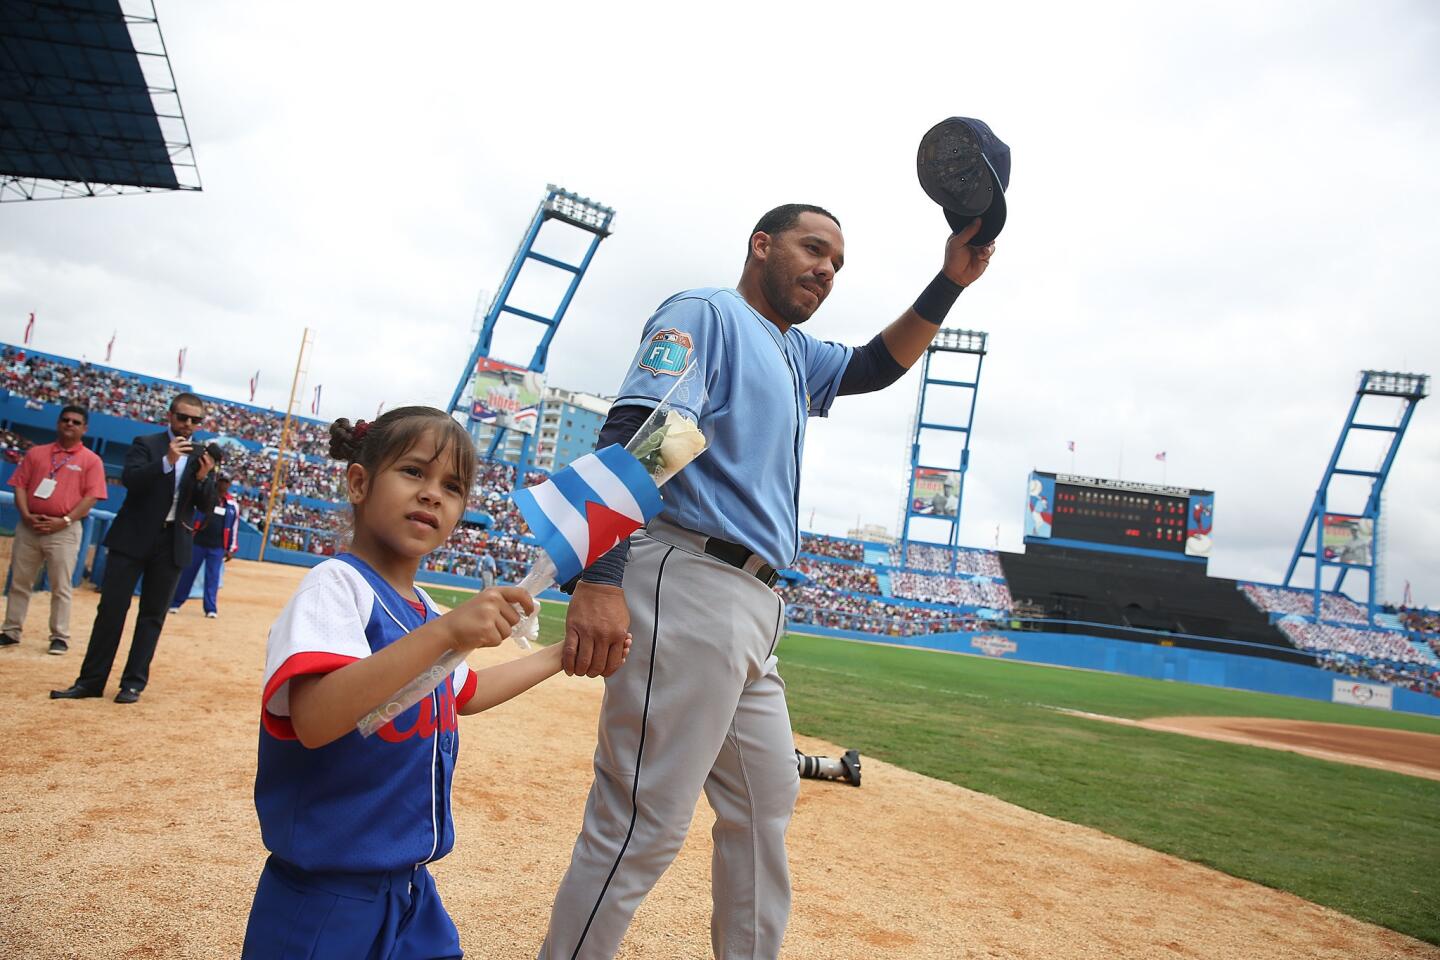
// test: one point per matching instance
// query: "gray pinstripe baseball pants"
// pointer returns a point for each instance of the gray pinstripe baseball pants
(697, 706)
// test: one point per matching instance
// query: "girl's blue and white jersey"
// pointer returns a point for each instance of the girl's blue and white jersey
(357, 803)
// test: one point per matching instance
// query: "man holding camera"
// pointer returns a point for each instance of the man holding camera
(166, 481)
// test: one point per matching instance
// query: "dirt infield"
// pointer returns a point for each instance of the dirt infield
(1402, 751)
(129, 832)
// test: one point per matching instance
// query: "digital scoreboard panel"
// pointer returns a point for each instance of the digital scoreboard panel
(1119, 514)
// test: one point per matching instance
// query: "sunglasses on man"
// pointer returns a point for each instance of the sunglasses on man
(195, 419)
(72, 422)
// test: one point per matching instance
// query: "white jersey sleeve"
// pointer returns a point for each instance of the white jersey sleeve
(321, 629)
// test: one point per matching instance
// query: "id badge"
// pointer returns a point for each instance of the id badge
(46, 488)
(219, 511)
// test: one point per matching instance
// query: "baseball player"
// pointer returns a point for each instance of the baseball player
(701, 706)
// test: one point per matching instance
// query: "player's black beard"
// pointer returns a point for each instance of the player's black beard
(782, 297)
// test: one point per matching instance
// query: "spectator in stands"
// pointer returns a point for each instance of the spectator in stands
(217, 537)
(55, 485)
(13, 446)
(487, 568)
(167, 481)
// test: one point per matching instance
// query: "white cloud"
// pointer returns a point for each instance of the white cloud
(1218, 216)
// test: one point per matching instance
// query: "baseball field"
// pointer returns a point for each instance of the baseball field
(1007, 810)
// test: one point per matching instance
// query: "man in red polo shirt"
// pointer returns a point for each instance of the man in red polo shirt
(55, 487)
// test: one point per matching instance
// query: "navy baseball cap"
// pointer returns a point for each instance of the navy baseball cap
(965, 168)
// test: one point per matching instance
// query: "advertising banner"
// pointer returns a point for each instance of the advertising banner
(935, 493)
(1040, 506)
(1347, 539)
(1198, 525)
(506, 396)
(1360, 694)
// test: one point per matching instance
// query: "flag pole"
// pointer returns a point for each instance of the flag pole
(305, 343)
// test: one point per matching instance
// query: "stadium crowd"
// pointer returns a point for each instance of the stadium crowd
(1424, 623)
(1411, 676)
(120, 394)
(839, 576)
(844, 611)
(840, 595)
(1372, 644)
(13, 446)
(512, 559)
(823, 546)
(957, 591)
(937, 560)
(304, 476)
(1333, 606)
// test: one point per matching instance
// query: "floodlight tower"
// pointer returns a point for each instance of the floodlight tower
(922, 477)
(564, 207)
(1344, 541)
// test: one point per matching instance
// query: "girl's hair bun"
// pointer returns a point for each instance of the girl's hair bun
(346, 440)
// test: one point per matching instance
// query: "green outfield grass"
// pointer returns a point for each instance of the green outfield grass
(1361, 841)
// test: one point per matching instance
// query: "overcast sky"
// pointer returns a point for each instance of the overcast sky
(1218, 216)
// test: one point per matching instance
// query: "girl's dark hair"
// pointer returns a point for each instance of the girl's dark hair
(377, 445)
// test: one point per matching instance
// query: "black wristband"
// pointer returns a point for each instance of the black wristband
(937, 299)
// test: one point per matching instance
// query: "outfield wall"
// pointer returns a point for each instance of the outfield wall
(1157, 662)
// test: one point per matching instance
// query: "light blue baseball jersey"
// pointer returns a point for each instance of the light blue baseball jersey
(761, 386)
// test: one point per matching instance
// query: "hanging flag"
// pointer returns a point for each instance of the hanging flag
(580, 513)
(180, 362)
(315, 401)
(254, 382)
(30, 327)
(1160, 456)
(110, 347)
(1070, 445)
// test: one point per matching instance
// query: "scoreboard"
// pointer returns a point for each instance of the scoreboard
(1119, 514)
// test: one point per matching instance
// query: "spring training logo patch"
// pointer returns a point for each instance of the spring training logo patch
(667, 353)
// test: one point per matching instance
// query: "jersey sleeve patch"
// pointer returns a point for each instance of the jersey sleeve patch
(667, 353)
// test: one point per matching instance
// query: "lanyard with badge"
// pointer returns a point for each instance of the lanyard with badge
(46, 488)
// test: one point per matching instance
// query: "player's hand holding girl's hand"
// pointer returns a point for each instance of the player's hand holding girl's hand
(485, 619)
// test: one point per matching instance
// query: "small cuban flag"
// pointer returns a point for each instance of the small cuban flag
(580, 513)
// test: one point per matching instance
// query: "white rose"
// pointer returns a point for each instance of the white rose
(682, 443)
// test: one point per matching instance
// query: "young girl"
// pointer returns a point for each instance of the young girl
(351, 821)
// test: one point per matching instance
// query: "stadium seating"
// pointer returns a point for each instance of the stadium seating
(823, 546)
(13, 446)
(842, 591)
(923, 556)
(822, 607)
(840, 576)
(955, 591)
(1333, 606)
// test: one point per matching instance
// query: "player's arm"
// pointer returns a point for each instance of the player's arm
(597, 622)
(325, 707)
(896, 348)
(494, 685)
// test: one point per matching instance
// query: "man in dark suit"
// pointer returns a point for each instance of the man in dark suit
(166, 481)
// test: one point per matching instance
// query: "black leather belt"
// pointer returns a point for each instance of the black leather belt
(740, 557)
